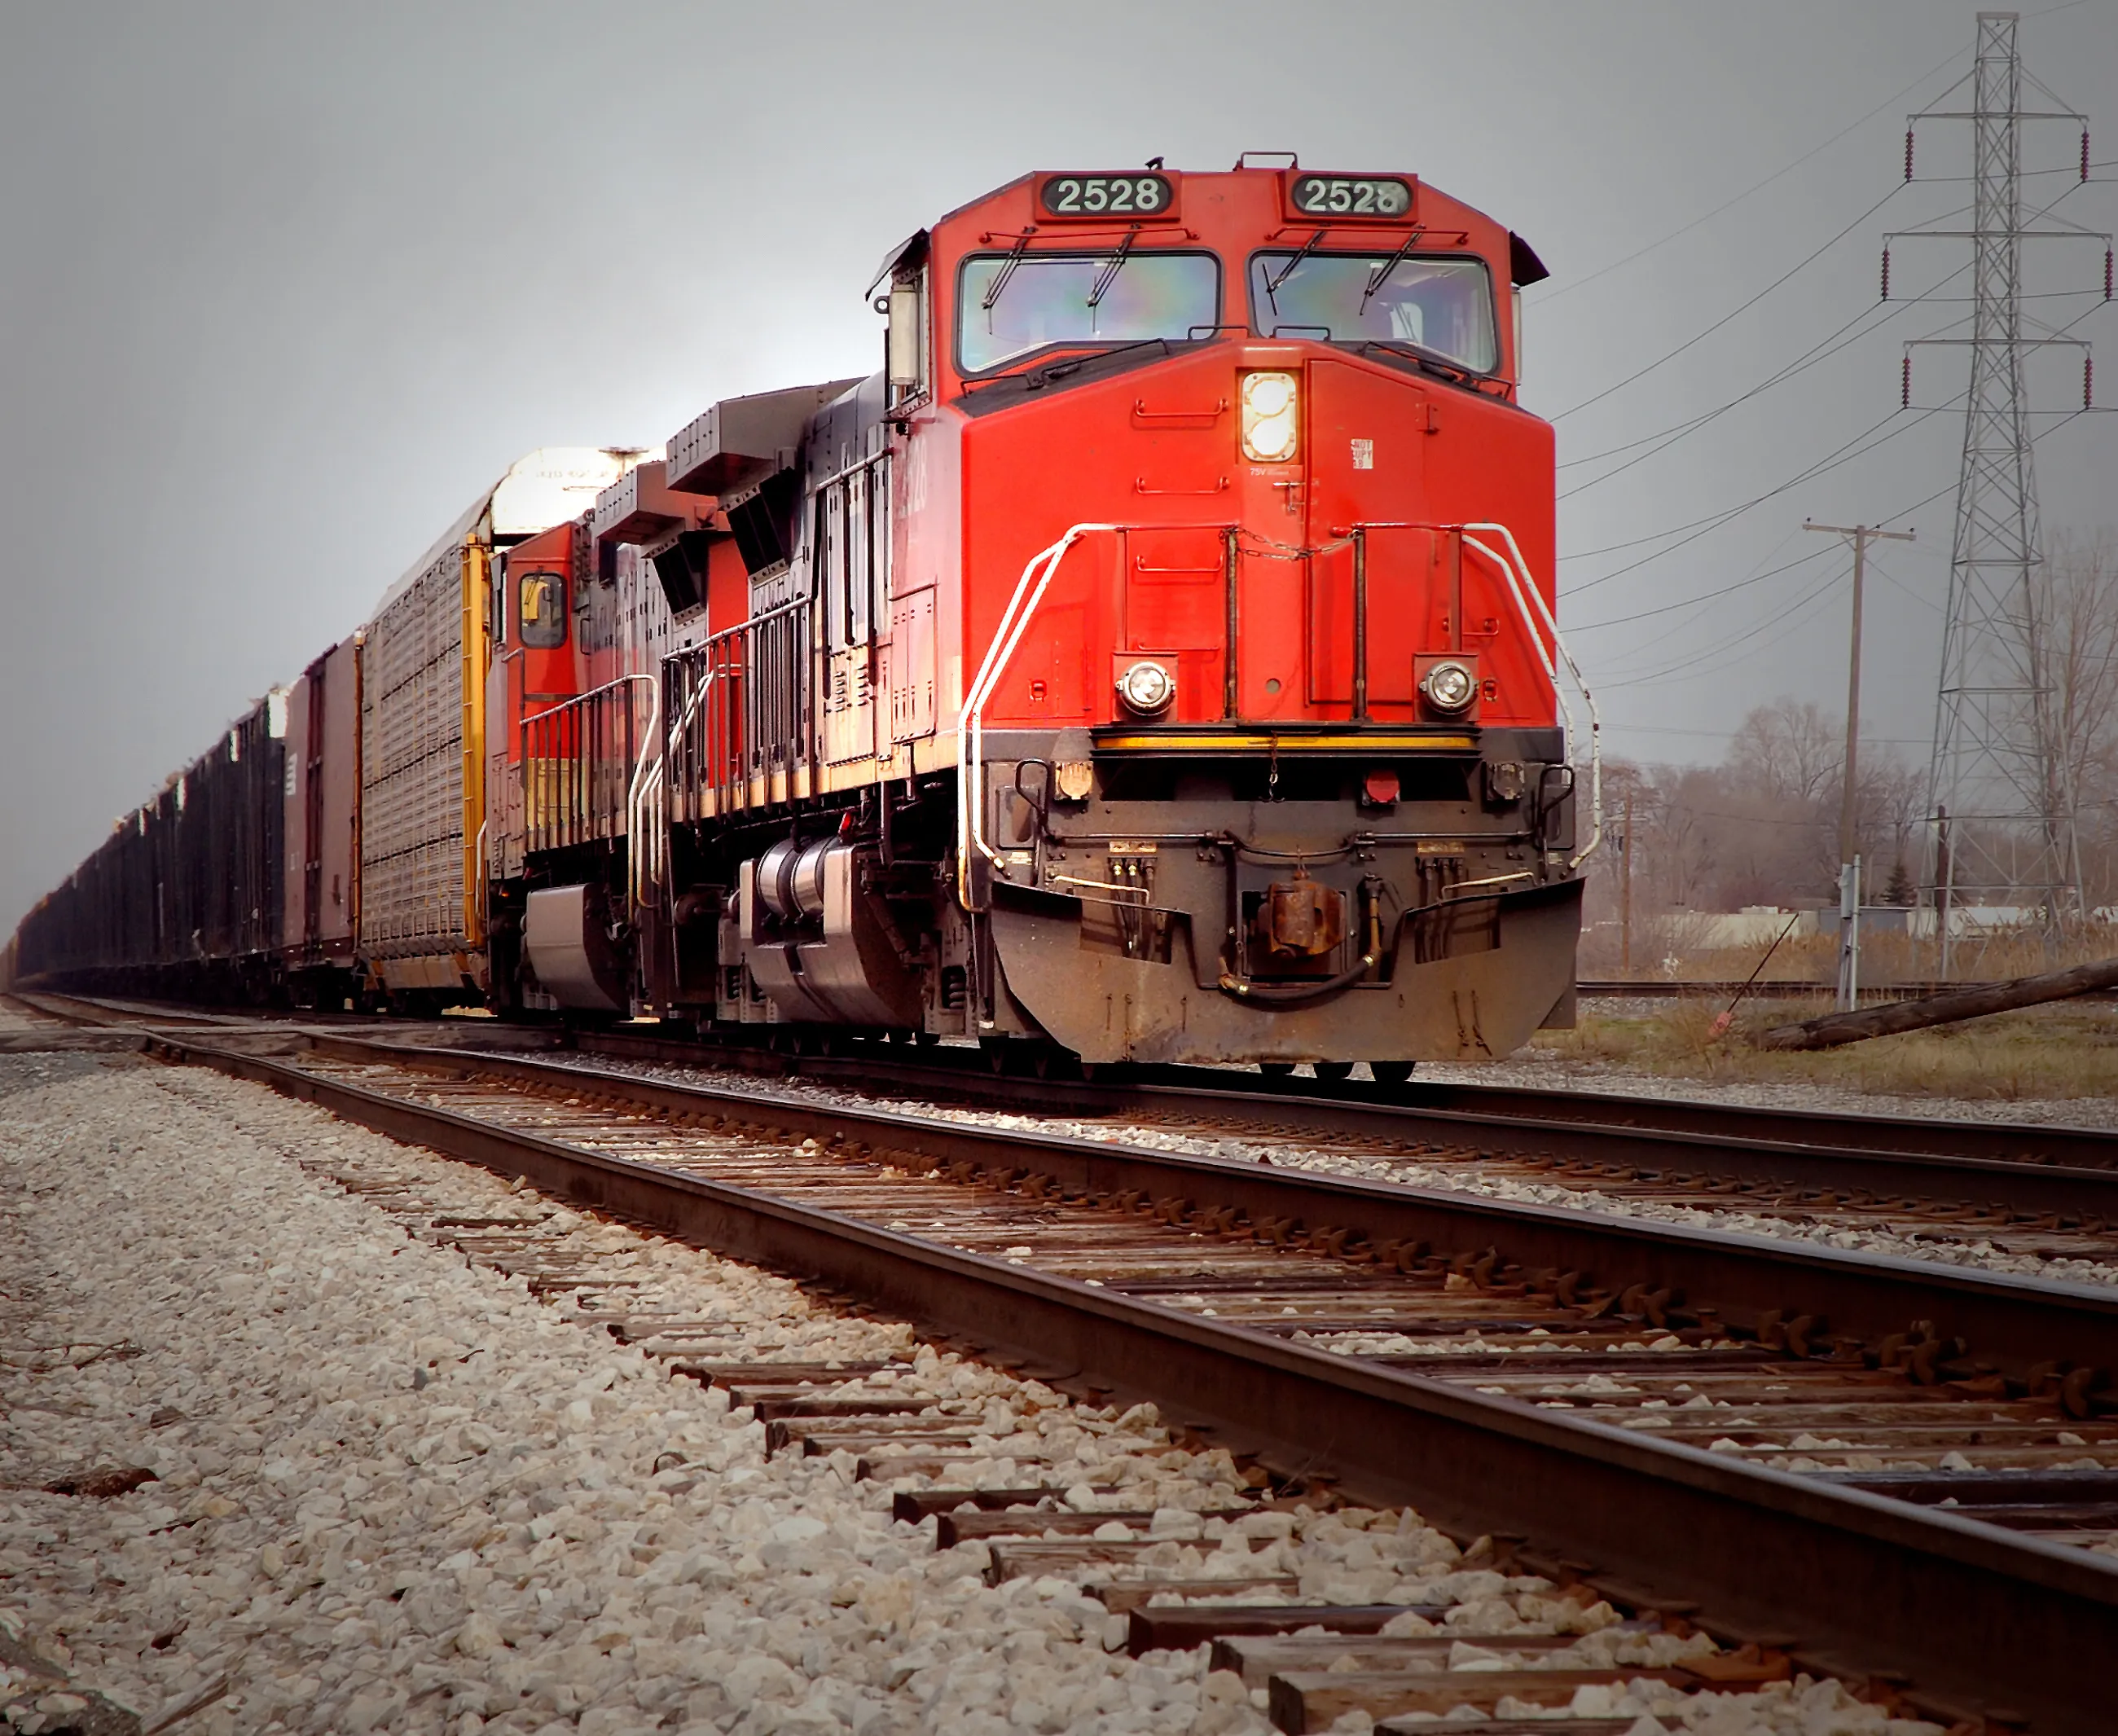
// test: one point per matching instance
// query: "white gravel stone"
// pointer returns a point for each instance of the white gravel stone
(394, 1491)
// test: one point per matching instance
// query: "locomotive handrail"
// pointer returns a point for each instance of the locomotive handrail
(1526, 595)
(577, 796)
(970, 732)
(1523, 592)
(1038, 572)
(643, 835)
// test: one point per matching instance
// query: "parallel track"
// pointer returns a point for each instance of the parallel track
(1565, 1123)
(2055, 1197)
(1510, 1369)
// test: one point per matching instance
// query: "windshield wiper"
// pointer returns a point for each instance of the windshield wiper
(1272, 284)
(1108, 274)
(1381, 275)
(1007, 271)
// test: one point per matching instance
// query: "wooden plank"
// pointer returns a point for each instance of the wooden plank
(1314, 1700)
(1258, 1658)
(956, 1528)
(1180, 1629)
(912, 1505)
(1126, 1597)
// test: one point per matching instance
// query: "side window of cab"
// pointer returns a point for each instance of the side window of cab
(541, 610)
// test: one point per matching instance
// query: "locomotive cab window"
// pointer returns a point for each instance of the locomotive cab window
(1442, 305)
(541, 614)
(1010, 305)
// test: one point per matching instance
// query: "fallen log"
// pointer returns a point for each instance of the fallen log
(1974, 1002)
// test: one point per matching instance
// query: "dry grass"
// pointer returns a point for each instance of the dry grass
(2040, 1052)
(1884, 958)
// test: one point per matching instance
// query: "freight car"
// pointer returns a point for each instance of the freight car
(1154, 659)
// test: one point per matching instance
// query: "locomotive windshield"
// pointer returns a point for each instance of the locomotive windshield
(1442, 305)
(1010, 305)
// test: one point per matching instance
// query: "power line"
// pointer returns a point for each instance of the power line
(1744, 308)
(1708, 597)
(1844, 454)
(1815, 353)
(1655, 677)
(1689, 670)
(1635, 256)
(1800, 363)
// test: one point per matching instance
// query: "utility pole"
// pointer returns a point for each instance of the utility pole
(1862, 536)
(2000, 770)
(1849, 858)
(1626, 888)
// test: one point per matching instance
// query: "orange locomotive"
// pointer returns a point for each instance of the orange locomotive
(1154, 660)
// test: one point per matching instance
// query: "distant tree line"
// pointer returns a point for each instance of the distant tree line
(1761, 826)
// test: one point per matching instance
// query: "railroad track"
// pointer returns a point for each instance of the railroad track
(1555, 1123)
(1565, 1122)
(1978, 1207)
(1765, 1431)
(2052, 1196)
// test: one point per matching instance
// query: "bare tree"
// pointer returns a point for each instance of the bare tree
(1791, 749)
(2077, 607)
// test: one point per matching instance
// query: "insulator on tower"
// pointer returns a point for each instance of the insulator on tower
(2085, 153)
(1886, 273)
(2087, 382)
(1908, 153)
(1905, 391)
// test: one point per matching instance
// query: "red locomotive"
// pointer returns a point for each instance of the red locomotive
(1155, 661)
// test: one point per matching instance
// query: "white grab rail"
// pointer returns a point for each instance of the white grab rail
(1037, 575)
(644, 834)
(1522, 588)
(970, 730)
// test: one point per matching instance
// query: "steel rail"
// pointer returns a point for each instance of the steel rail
(2040, 1168)
(2015, 1324)
(1967, 1607)
(1506, 1119)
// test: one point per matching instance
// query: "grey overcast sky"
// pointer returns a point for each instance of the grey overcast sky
(282, 285)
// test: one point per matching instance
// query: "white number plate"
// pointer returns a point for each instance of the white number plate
(1107, 195)
(1351, 195)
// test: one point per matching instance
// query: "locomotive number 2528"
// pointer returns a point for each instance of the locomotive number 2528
(1352, 195)
(1099, 196)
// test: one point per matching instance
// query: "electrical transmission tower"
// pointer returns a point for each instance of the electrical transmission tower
(2000, 793)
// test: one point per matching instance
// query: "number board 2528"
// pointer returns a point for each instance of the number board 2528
(1107, 195)
(1386, 197)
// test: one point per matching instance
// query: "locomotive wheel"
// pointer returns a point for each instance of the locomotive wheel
(1276, 1069)
(1333, 1069)
(1391, 1072)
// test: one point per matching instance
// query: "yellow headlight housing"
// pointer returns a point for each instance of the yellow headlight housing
(1271, 417)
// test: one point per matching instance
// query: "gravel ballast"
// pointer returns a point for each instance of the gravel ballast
(395, 1490)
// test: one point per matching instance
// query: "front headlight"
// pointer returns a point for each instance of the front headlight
(1449, 687)
(1147, 688)
(1269, 419)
